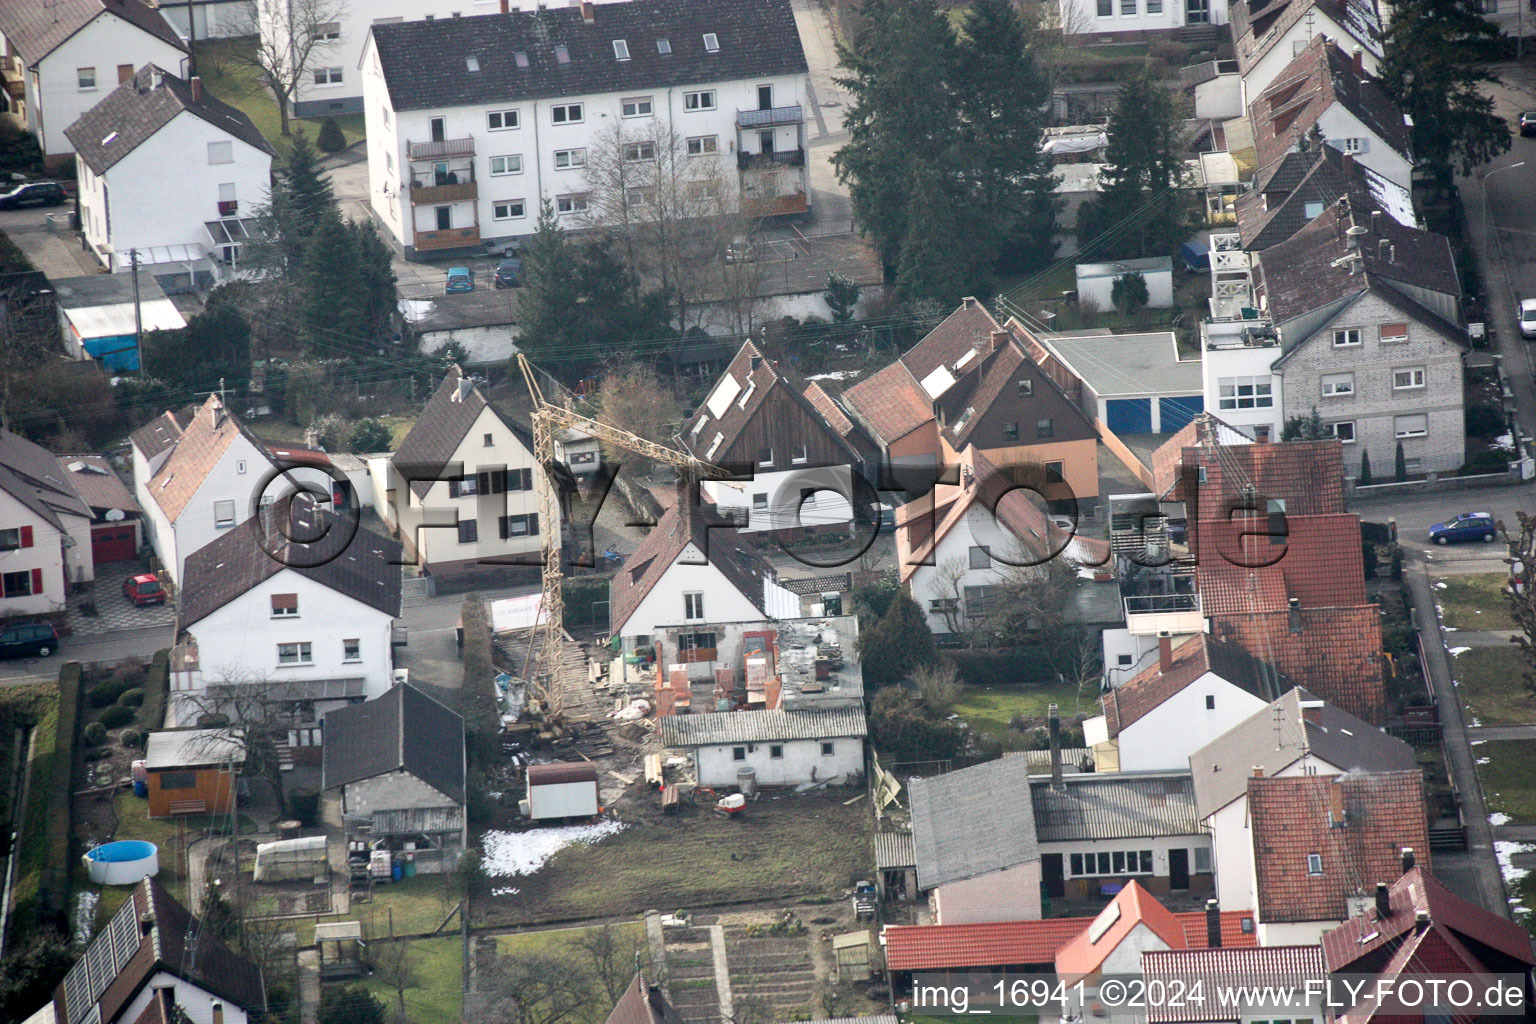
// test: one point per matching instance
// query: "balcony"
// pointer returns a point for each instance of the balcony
(13, 79)
(449, 192)
(1151, 614)
(453, 238)
(437, 149)
(768, 161)
(776, 206)
(769, 118)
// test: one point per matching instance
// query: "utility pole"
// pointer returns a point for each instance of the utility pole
(138, 313)
(191, 40)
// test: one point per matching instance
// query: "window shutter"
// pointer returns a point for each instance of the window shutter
(453, 488)
(37, 581)
(26, 536)
(533, 524)
(1365, 145)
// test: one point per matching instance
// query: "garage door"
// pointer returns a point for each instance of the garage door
(1177, 412)
(1129, 415)
(113, 543)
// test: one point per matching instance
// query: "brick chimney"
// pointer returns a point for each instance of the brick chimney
(999, 339)
(1213, 924)
(588, 14)
(1383, 901)
(1258, 771)
(1164, 651)
(1359, 58)
(506, 7)
(1408, 859)
(1349, 163)
(196, 83)
(1312, 712)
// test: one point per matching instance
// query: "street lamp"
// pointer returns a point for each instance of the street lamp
(1490, 174)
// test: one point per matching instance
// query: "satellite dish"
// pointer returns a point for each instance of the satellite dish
(114, 515)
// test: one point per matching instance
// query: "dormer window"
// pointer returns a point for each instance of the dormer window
(711, 42)
(621, 49)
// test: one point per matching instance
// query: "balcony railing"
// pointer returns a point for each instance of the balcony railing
(1153, 604)
(439, 148)
(453, 238)
(426, 195)
(770, 117)
(766, 161)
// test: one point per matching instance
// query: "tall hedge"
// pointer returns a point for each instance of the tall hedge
(477, 695)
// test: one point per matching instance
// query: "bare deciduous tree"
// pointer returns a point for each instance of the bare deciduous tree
(613, 962)
(939, 685)
(288, 38)
(945, 589)
(536, 988)
(392, 964)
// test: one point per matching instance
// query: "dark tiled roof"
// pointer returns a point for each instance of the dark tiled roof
(326, 548)
(425, 61)
(140, 107)
(35, 29)
(973, 822)
(1276, 208)
(162, 432)
(33, 476)
(402, 730)
(1116, 805)
(1296, 816)
(1278, 736)
(449, 414)
(643, 1003)
(1148, 689)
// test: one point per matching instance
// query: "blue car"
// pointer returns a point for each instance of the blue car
(1467, 526)
(460, 279)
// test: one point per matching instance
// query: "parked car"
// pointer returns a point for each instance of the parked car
(460, 279)
(33, 193)
(1528, 123)
(1467, 526)
(28, 640)
(144, 588)
(509, 273)
(1527, 317)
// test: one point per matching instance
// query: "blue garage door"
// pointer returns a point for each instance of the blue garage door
(1129, 415)
(1177, 412)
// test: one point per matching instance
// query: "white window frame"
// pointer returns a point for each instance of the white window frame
(1129, 9)
(1395, 338)
(570, 159)
(503, 120)
(575, 202)
(693, 606)
(621, 49)
(509, 165)
(637, 106)
(221, 521)
(704, 145)
(356, 653)
(699, 100)
(1336, 385)
(642, 152)
(568, 113)
(1414, 375)
(517, 209)
(1314, 863)
(221, 152)
(1253, 399)
(328, 77)
(1100, 10)
(328, 32)
(302, 653)
(711, 42)
(1346, 337)
(1399, 429)
(1334, 428)
(85, 79)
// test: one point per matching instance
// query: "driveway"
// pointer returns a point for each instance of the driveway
(55, 252)
(830, 205)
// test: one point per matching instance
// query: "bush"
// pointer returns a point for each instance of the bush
(1486, 462)
(115, 717)
(108, 693)
(331, 431)
(130, 739)
(331, 138)
(131, 698)
(351, 1005)
(1484, 420)
(369, 435)
(1170, 51)
(93, 734)
(997, 668)
(304, 804)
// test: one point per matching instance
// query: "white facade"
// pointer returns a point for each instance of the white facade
(445, 178)
(1232, 840)
(1159, 845)
(193, 1000)
(1262, 73)
(333, 636)
(37, 570)
(1163, 738)
(1240, 383)
(1348, 134)
(427, 525)
(186, 174)
(79, 72)
(773, 500)
(1127, 653)
(788, 763)
(955, 577)
(715, 599)
(1102, 17)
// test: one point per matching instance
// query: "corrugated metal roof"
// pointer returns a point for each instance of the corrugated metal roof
(1123, 805)
(760, 727)
(972, 822)
(1220, 970)
(412, 820)
(894, 850)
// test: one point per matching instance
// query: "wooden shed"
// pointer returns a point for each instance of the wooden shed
(193, 771)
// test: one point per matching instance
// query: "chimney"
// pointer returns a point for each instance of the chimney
(1213, 924)
(1375, 219)
(218, 1013)
(1312, 712)
(197, 88)
(1392, 254)
(1349, 163)
(1261, 434)
(999, 339)
(1336, 803)
(1295, 616)
(506, 7)
(1258, 771)
(1408, 859)
(1359, 55)
(1054, 719)
(1383, 902)
(1382, 245)
(1420, 920)
(216, 412)
(1164, 651)
(588, 15)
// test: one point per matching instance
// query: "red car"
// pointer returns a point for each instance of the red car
(144, 588)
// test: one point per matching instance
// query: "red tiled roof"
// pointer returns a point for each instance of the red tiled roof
(962, 331)
(940, 947)
(1133, 905)
(891, 403)
(1333, 652)
(1294, 817)
(1308, 476)
(822, 403)
(1318, 558)
(1202, 653)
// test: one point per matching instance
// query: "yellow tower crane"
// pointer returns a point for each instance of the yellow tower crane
(549, 416)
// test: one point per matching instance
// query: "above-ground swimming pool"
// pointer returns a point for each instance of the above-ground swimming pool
(124, 862)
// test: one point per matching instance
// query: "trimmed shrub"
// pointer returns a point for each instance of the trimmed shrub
(130, 739)
(1485, 420)
(997, 668)
(115, 717)
(93, 734)
(331, 138)
(131, 698)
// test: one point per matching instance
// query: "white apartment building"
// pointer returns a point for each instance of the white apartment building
(473, 122)
(59, 58)
(1105, 17)
(166, 171)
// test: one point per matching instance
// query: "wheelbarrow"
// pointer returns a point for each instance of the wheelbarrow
(731, 806)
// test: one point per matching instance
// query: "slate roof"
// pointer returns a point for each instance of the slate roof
(1146, 691)
(1132, 906)
(972, 822)
(97, 483)
(1296, 816)
(319, 545)
(34, 476)
(1361, 941)
(35, 30)
(1119, 805)
(402, 730)
(643, 1003)
(1257, 25)
(151, 932)
(890, 404)
(1221, 972)
(425, 67)
(1311, 269)
(140, 107)
(937, 947)
(718, 728)
(681, 525)
(444, 420)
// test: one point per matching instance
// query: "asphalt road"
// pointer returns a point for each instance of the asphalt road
(1416, 513)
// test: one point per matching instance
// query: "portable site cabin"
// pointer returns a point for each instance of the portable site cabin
(562, 791)
(288, 859)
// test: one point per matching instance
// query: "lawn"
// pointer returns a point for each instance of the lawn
(438, 967)
(989, 710)
(1492, 688)
(1474, 602)
(417, 906)
(1509, 779)
(564, 944)
(237, 84)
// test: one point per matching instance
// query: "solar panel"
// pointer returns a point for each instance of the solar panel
(102, 962)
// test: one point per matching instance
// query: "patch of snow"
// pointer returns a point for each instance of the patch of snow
(834, 375)
(1498, 817)
(1505, 852)
(85, 916)
(508, 854)
(1504, 443)
(1440, 585)
(1484, 760)
(1459, 650)
(1449, 629)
